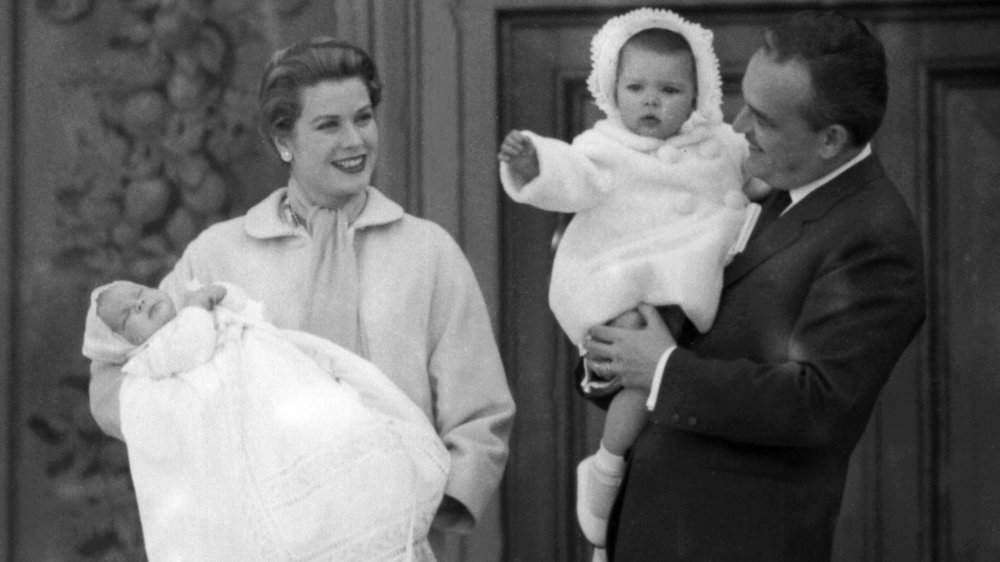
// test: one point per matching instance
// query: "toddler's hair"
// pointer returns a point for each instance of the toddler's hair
(659, 40)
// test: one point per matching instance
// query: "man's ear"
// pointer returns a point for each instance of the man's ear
(835, 139)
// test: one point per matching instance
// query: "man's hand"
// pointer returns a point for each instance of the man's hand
(630, 355)
(205, 297)
(519, 153)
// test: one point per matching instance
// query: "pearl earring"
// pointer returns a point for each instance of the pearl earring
(285, 156)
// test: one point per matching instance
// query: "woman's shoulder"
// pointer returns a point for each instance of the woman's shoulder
(422, 231)
(226, 232)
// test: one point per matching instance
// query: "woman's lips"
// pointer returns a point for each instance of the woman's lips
(351, 165)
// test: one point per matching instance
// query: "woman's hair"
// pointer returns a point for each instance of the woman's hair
(657, 40)
(305, 64)
(847, 66)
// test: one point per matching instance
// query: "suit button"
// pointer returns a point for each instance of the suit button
(692, 421)
(676, 418)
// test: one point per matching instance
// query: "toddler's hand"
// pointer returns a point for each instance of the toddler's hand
(519, 153)
(205, 297)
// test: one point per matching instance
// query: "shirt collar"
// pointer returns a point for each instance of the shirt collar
(799, 193)
(272, 217)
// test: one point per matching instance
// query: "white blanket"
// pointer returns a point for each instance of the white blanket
(283, 446)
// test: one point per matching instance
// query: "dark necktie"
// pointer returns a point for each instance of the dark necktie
(777, 202)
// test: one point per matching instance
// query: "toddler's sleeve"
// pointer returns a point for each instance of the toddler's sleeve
(567, 180)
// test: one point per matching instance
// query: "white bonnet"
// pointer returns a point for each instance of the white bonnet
(608, 42)
(100, 342)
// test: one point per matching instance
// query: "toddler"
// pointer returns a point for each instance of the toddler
(247, 442)
(661, 203)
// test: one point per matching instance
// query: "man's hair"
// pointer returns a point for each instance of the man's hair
(847, 66)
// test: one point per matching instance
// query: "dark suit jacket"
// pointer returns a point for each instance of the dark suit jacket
(746, 454)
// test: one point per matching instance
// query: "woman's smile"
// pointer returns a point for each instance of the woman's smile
(352, 165)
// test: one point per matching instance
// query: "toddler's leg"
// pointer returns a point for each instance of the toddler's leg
(599, 476)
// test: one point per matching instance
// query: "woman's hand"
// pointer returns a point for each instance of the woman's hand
(629, 354)
(205, 297)
(519, 153)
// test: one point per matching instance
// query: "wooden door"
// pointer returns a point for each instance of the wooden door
(923, 483)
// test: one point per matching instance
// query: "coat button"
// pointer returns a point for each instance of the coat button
(692, 421)
(676, 418)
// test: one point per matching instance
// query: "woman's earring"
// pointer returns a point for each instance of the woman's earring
(286, 156)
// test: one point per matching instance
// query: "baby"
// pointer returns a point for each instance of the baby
(661, 201)
(247, 442)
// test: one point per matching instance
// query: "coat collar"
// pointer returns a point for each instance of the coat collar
(266, 219)
(789, 227)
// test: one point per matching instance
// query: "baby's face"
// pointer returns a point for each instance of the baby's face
(656, 92)
(134, 311)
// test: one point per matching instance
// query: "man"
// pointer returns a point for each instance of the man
(753, 423)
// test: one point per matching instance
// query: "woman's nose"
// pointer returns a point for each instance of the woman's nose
(351, 136)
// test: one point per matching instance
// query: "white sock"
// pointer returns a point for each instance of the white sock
(604, 477)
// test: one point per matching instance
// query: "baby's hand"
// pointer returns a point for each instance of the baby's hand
(519, 153)
(205, 297)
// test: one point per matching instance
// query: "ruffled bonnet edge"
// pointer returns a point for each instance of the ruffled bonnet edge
(609, 40)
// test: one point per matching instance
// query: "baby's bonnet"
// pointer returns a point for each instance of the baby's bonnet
(100, 342)
(607, 45)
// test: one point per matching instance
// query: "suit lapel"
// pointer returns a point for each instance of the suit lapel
(789, 227)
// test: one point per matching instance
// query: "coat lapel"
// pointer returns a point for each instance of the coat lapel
(789, 227)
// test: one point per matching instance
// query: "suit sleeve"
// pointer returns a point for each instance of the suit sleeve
(861, 309)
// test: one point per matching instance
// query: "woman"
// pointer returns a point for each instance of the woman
(330, 255)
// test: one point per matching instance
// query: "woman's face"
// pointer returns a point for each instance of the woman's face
(334, 142)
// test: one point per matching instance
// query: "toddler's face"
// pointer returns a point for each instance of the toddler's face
(656, 92)
(134, 311)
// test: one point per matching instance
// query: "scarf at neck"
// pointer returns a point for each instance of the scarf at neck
(332, 291)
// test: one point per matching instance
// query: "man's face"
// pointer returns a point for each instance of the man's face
(784, 148)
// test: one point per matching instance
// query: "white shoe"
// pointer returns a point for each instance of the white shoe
(593, 527)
